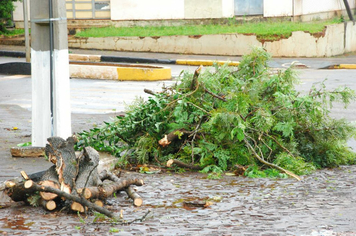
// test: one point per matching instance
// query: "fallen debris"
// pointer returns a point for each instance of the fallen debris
(72, 182)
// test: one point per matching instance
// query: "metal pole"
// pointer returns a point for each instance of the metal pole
(348, 10)
(27, 36)
(51, 49)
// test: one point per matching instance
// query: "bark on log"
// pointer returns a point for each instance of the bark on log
(88, 173)
(195, 82)
(108, 175)
(35, 187)
(17, 191)
(148, 91)
(137, 200)
(27, 151)
(108, 190)
(61, 153)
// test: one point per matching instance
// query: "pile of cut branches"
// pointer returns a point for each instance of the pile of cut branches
(73, 182)
(222, 118)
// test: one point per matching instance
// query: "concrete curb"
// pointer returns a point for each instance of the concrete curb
(102, 58)
(342, 66)
(110, 71)
(99, 71)
(205, 62)
(96, 58)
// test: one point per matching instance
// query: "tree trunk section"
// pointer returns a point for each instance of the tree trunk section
(61, 153)
(108, 190)
(137, 200)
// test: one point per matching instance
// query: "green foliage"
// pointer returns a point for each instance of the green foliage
(6, 7)
(264, 30)
(254, 172)
(24, 144)
(230, 117)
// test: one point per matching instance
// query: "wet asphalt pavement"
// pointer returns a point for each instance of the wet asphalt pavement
(321, 204)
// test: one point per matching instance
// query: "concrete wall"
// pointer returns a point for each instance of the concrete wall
(317, 8)
(350, 37)
(336, 40)
(170, 9)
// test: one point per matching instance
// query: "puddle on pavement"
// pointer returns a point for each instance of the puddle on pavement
(16, 224)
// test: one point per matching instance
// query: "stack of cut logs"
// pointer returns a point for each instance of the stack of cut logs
(72, 181)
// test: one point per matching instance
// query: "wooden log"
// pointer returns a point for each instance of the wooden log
(137, 200)
(88, 173)
(169, 138)
(182, 164)
(35, 187)
(197, 203)
(46, 195)
(108, 175)
(195, 82)
(48, 205)
(29, 151)
(17, 191)
(24, 175)
(108, 190)
(77, 207)
(61, 153)
(99, 203)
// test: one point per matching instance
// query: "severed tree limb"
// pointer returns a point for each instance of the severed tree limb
(48, 205)
(24, 175)
(214, 95)
(46, 195)
(168, 138)
(182, 164)
(137, 200)
(148, 91)
(108, 175)
(35, 187)
(270, 164)
(195, 82)
(108, 190)
(124, 222)
(17, 191)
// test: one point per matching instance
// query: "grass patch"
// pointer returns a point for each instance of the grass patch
(13, 32)
(266, 30)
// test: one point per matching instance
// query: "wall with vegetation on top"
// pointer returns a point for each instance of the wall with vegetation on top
(337, 39)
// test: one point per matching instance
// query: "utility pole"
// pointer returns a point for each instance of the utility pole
(27, 35)
(51, 114)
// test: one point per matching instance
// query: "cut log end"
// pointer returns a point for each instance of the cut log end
(10, 184)
(49, 205)
(28, 184)
(164, 141)
(47, 195)
(99, 203)
(77, 207)
(138, 202)
(170, 163)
